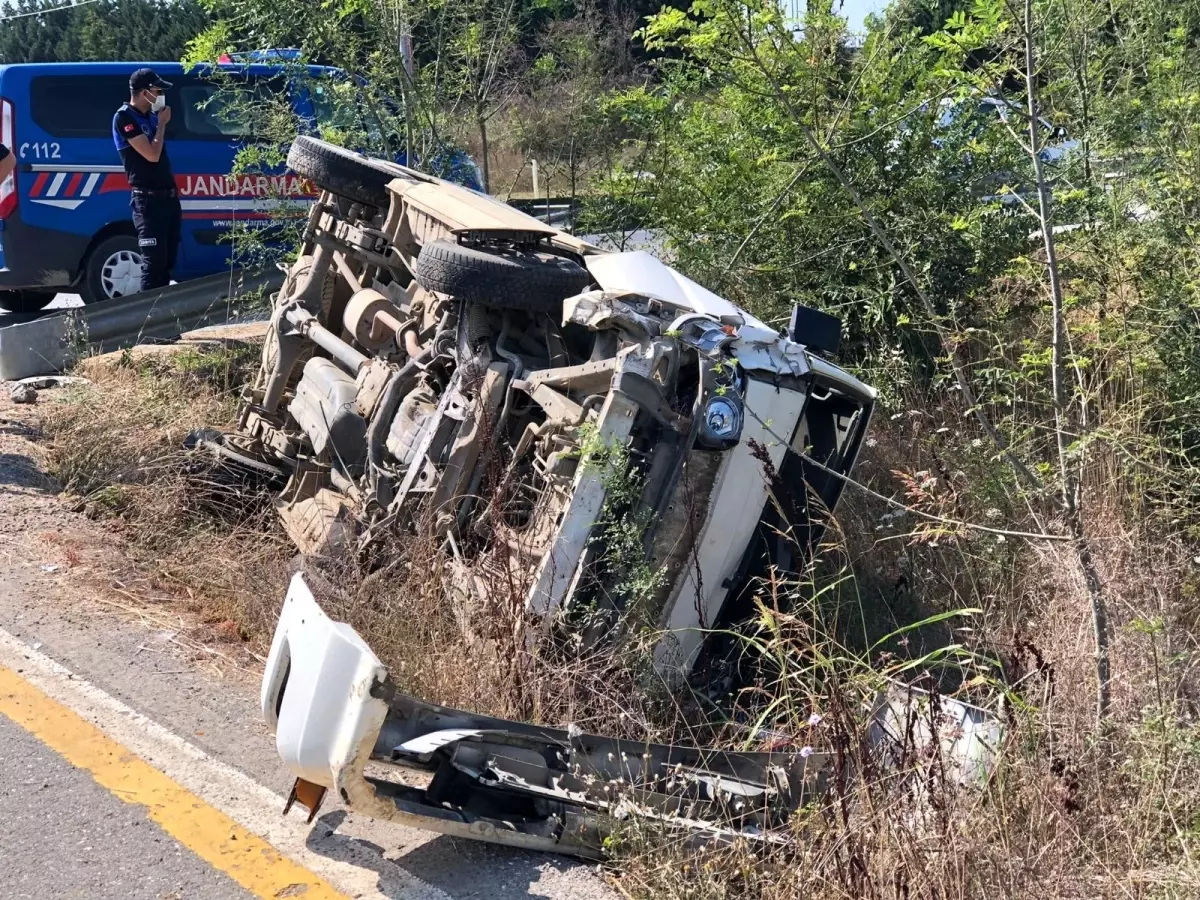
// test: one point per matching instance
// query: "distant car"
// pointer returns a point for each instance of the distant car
(65, 221)
(973, 116)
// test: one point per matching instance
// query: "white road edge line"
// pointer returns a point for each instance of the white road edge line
(342, 862)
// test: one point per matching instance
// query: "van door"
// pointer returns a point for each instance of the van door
(215, 117)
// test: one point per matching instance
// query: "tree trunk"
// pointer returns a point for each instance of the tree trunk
(410, 113)
(1071, 499)
(485, 165)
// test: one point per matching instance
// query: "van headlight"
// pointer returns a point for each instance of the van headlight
(723, 419)
(718, 413)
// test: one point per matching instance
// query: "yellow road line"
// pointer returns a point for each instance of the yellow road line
(210, 834)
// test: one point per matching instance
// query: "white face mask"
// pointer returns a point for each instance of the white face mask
(158, 103)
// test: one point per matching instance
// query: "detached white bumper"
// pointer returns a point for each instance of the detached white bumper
(326, 694)
(334, 710)
(320, 693)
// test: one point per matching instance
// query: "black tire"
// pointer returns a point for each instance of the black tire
(98, 285)
(26, 301)
(342, 172)
(505, 279)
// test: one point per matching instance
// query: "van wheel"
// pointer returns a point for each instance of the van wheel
(342, 172)
(501, 278)
(114, 269)
(26, 301)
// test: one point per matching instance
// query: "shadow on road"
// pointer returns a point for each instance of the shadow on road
(17, 469)
(451, 865)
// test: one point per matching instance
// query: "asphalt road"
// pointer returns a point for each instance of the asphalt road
(68, 837)
(134, 763)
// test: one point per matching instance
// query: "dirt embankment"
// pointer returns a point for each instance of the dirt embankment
(188, 534)
(90, 501)
(129, 520)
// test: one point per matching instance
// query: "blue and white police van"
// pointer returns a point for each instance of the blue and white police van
(65, 223)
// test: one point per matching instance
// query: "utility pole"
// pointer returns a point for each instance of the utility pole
(405, 42)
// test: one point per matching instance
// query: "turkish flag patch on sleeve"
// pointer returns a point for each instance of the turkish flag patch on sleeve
(130, 127)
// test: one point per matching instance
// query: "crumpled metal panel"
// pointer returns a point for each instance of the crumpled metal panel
(908, 724)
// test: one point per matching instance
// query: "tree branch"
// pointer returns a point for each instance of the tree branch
(958, 368)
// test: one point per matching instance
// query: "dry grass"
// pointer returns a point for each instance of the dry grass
(1071, 811)
(117, 445)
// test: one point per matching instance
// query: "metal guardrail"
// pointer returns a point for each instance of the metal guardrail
(561, 212)
(53, 342)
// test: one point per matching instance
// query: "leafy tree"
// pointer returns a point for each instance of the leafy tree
(560, 120)
(926, 16)
(478, 62)
(752, 211)
(900, 184)
(143, 30)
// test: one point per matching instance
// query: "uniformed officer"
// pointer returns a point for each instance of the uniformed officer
(140, 133)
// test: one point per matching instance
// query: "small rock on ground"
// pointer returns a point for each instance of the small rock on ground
(23, 393)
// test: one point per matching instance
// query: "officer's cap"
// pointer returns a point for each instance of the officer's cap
(144, 79)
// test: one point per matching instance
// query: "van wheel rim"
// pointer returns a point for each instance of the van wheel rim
(121, 274)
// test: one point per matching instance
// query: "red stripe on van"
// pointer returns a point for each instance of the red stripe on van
(114, 183)
(73, 184)
(38, 184)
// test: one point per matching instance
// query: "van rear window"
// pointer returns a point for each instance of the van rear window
(71, 106)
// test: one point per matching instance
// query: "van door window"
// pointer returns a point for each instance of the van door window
(74, 106)
(225, 111)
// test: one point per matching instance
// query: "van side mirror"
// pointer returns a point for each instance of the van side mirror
(815, 329)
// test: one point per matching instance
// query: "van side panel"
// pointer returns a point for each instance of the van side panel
(67, 166)
(40, 242)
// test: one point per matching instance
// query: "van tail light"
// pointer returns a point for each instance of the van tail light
(8, 189)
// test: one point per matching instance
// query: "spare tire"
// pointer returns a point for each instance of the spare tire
(505, 279)
(341, 171)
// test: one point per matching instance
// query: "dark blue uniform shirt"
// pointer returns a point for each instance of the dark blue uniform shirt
(153, 176)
